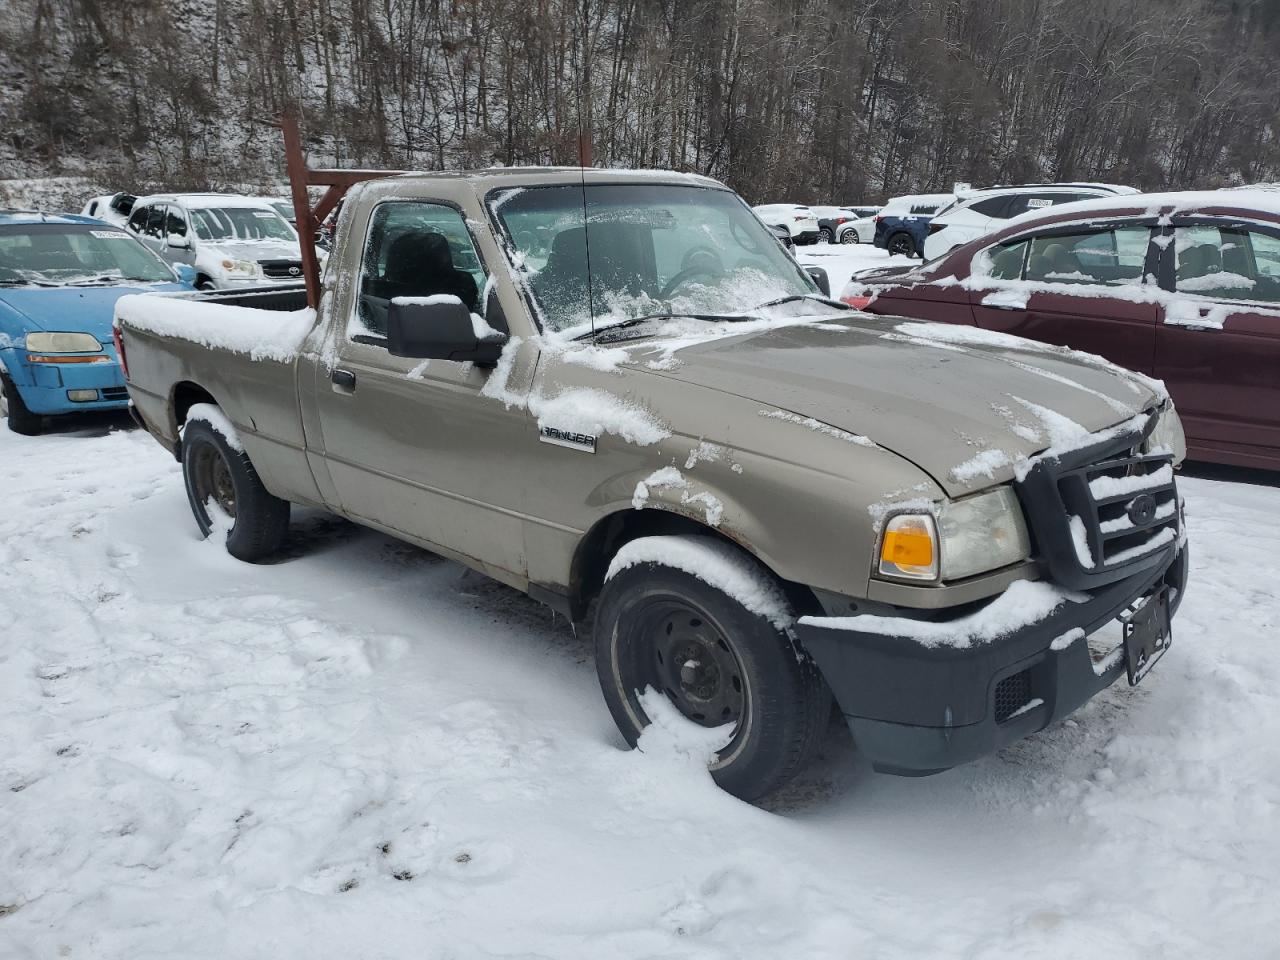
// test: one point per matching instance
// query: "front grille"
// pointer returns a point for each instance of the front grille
(281, 269)
(115, 393)
(1012, 694)
(1103, 512)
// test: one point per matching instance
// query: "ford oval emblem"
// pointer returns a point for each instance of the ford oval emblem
(1141, 510)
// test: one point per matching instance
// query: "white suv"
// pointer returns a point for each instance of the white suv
(231, 241)
(978, 212)
(799, 220)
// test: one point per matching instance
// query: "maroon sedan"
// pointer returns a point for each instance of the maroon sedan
(1180, 286)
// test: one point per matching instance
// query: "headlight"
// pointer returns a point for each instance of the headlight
(244, 267)
(1167, 435)
(63, 343)
(964, 538)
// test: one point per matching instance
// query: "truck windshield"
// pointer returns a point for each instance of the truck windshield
(240, 223)
(643, 250)
(53, 254)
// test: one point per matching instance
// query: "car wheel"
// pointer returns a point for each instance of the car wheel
(20, 418)
(825, 235)
(717, 663)
(220, 479)
(849, 236)
(204, 283)
(901, 245)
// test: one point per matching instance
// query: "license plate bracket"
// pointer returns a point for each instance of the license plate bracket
(1147, 635)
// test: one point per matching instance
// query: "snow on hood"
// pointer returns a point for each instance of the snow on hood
(962, 404)
(74, 309)
(255, 249)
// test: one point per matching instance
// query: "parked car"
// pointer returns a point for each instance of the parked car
(758, 513)
(831, 219)
(1180, 286)
(284, 207)
(231, 241)
(903, 223)
(113, 209)
(799, 220)
(860, 230)
(980, 211)
(60, 277)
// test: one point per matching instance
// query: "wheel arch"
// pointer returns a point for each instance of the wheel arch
(184, 395)
(611, 532)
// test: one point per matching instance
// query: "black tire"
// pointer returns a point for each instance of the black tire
(648, 608)
(204, 283)
(826, 236)
(849, 236)
(901, 245)
(211, 468)
(21, 419)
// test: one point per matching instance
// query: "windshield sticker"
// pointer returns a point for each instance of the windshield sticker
(264, 214)
(108, 235)
(1035, 203)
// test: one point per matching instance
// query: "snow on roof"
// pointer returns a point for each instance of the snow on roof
(1261, 199)
(205, 199)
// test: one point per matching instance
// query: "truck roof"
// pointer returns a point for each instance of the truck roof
(547, 176)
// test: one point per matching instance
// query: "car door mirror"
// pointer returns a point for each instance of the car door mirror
(820, 278)
(177, 242)
(440, 328)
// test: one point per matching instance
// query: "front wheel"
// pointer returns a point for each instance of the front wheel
(21, 419)
(225, 492)
(717, 663)
(901, 245)
(849, 236)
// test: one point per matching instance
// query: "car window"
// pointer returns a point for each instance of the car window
(155, 221)
(991, 206)
(416, 249)
(1226, 263)
(1113, 257)
(175, 224)
(138, 221)
(1006, 261)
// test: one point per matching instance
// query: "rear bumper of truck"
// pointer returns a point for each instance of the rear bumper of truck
(915, 710)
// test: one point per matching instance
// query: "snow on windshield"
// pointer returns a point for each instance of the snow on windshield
(57, 254)
(642, 250)
(240, 224)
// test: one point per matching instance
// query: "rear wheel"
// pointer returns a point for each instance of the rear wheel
(21, 419)
(901, 245)
(221, 480)
(825, 235)
(718, 664)
(849, 236)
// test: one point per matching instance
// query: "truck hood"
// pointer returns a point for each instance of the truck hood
(254, 249)
(940, 396)
(73, 309)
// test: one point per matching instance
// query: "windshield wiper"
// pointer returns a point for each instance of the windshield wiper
(23, 282)
(829, 301)
(635, 321)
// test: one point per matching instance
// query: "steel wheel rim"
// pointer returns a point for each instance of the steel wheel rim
(211, 477)
(678, 650)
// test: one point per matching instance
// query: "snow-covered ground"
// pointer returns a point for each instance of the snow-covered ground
(361, 751)
(841, 261)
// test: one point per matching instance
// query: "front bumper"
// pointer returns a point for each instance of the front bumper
(916, 710)
(45, 387)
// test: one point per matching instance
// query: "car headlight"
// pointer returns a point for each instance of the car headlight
(62, 343)
(242, 267)
(963, 538)
(1167, 435)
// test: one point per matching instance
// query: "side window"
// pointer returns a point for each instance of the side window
(1227, 264)
(1112, 257)
(991, 207)
(175, 224)
(1006, 262)
(138, 221)
(155, 221)
(415, 249)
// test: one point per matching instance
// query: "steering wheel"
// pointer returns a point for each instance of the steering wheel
(684, 276)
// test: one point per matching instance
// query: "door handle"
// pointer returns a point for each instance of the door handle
(343, 379)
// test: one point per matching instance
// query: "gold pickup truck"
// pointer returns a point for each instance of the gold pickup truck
(617, 391)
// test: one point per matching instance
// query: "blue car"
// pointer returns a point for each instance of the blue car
(60, 278)
(903, 223)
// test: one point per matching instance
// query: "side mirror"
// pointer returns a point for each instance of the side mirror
(179, 243)
(440, 328)
(821, 279)
(186, 274)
